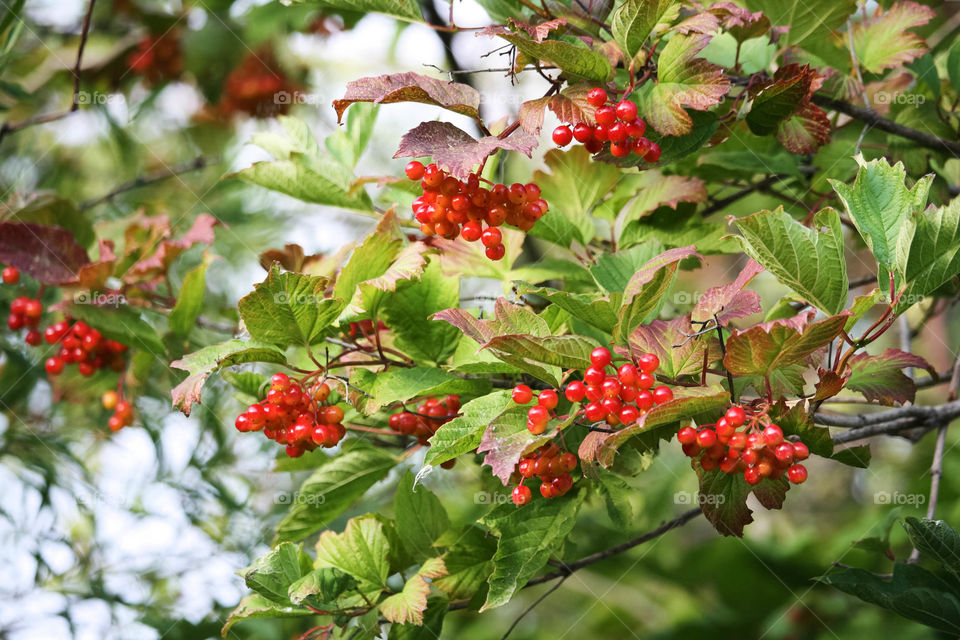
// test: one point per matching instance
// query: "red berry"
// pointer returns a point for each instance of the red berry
(784, 452)
(662, 394)
(706, 438)
(522, 394)
(15, 321)
(568, 461)
(54, 366)
(538, 414)
(521, 495)
(773, 435)
(653, 153)
(645, 400)
(605, 116)
(736, 416)
(626, 111)
(11, 275)
(491, 237)
(471, 231)
(593, 145)
(414, 170)
(496, 252)
(280, 381)
(33, 308)
(548, 399)
(687, 435)
(629, 414)
(691, 449)
(611, 405)
(594, 412)
(648, 362)
(547, 490)
(800, 451)
(600, 358)
(618, 133)
(333, 414)
(575, 391)
(797, 474)
(752, 475)
(242, 423)
(562, 135)
(295, 450)
(595, 375)
(627, 374)
(637, 128)
(620, 149)
(583, 132)
(596, 97)
(33, 338)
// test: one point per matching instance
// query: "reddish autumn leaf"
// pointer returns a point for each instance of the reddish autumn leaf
(456, 150)
(506, 439)
(94, 275)
(881, 378)
(829, 384)
(570, 106)
(671, 341)
(806, 131)
(411, 87)
(884, 42)
(160, 260)
(730, 301)
(536, 32)
(47, 254)
(741, 23)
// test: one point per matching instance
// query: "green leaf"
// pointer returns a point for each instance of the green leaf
(647, 289)
(683, 80)
(420, 518)
(527, 539)
(572, 187)
(934, 257)
(468, 562)
(723, 499)
(937, 540)
(797, 422)
(953, 64)
(407, 607)
(431, 627)
(566, 352)
(400, 384)
(884, 212)
(123, 324)
(189, 300)
(807, 19)
(614, 269)
(332, 489)
(572, 58)
(778, 101)
(767, 348)
(202, 363)
(634, 20)
(321, 588)
(246, 382)
(858, 457)
(883, 42)
(255, 607)
(662, 338)
(271, 575)
(403, 9)
(349, 143)
(315, 179)
(368, 261)
(808, 260)
(913, 592)
(600, 312)
(361, 551)
(289, 309)
(407, 312)
(462, 435)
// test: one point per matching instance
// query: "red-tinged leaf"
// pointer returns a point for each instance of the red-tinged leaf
(781, 97)
(411, 87)
(47, 254)
(741, 23)
(881, 379)
(291, 258)
(456, 150)
(828, 385)
(670, 341)
(506, 439)
(705, 22)
(661, 422)
(508, 319)
(93, 276)
(806, 131)
(461, 258)
(159, 262)
(767, 348)
(723, 499)
(730, 301)
(570, 106)
(655, 190)
(539, 32)
(646, 273)
(408, 265)
(884, 42)
(683, 80)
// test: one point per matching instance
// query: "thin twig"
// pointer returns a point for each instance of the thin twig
(143, 181)
(534, 605)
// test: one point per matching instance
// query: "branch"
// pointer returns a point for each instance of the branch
(143, 181)
(916, 413)
(533, 606)
(872, 118)
(743, 193)
(74, 102)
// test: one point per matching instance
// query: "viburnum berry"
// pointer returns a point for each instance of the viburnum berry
(11, 275)
(735, 416)
(521, 495)
(414, 170)
(596, 97)
(575, 391)
(773, 435)
(522, 394)
(600, 357)
(109, 400)
(605, 116)
(626, 110)
(662, 394)
(583, 132)
(562, 135)
(797, 474)
(687, 435)
(54, 366)
(496, 252)
(491, 237)
(548, 399)
(648, 362)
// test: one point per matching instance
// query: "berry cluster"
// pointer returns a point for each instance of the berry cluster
(122, 410)
(617, 124)
(758, 452)
(450, 207)
(158, 58)
(25, 312)
(258, 88)
(84, 346)
(429, 416)
(364, 329)
(11, 275)
(617, 398)
(301, 420)
(551, 466)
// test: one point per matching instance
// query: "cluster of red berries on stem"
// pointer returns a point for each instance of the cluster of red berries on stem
(450, 207)
(299, 419)
(25, 313)
(617, 124)
(84, 346)
(552, 466)
(617, 395)
(429, 416)
(158, 57)
(759, 451)
(122, 410)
